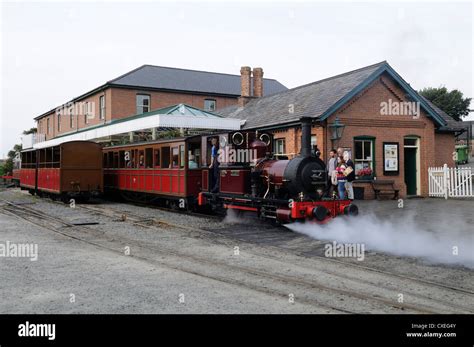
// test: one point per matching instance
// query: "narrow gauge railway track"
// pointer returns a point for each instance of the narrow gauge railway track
(21, 212)
(136, 219)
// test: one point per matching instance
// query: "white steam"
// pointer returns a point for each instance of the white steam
(403, 237)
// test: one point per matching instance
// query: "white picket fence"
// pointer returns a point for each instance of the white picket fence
(447, 182)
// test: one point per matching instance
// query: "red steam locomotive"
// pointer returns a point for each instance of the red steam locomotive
(281, 190)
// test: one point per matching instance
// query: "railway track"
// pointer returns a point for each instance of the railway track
(40, 219)
(136, 219)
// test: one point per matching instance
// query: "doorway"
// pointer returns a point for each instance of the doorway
(412, 163)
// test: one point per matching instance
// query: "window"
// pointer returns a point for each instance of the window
(102, 107)
(157, 157)
(209, 105)
(279, 146)
(116, 160)
(122, 159)
(364, 158)
(86, 112)
(175, 157)
(47, 125)
(59, 121)
(141, 159)
(165, 157)
(181, 156)
(148, 158)
(56, 160)
(314, 141)
(110, 159)
(71, 118)
(143, 103)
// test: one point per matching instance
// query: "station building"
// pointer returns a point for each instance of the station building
(146, 89)
(392, 133)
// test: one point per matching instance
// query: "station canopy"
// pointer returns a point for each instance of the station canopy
(179, 116)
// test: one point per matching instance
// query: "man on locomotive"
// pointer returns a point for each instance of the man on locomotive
(214, 166)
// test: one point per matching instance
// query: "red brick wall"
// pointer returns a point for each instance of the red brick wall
(292, 138)
(121, 103)
(362, 117)
(444, 150)
(124, 101)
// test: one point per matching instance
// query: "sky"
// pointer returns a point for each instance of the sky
(51, 52)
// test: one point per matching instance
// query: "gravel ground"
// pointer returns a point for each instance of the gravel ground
(188, 264)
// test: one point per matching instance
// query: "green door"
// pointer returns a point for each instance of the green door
(410, 170)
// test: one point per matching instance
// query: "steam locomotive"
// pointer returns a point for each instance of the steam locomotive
(278, 189)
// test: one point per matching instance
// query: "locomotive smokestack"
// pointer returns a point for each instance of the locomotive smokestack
(305, 137)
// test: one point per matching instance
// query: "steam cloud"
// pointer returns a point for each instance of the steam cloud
(403, 237)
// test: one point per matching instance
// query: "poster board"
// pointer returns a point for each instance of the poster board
(391, 158)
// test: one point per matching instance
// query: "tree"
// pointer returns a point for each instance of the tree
(30, 131)
(452, 102)
(8, 166)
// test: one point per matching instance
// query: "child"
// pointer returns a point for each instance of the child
(341, 179)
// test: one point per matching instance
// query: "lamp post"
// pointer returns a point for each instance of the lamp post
(337, 129)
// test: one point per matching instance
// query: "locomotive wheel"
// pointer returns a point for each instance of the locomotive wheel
(320, 213)
(351, 210)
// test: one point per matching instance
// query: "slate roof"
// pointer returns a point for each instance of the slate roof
(310, 100)
(161, 77)
(184, 80)
(451, 123)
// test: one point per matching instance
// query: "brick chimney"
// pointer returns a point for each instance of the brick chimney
(257, 82)
(244, 85)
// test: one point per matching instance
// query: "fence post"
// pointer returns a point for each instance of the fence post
(445, 178)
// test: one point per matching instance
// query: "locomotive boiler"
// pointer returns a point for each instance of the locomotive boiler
(284, 190)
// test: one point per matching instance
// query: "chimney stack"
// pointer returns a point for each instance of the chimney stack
(305, 136)
(257, 82)
(244, 85)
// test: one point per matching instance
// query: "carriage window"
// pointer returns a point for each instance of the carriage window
(175, 157)
(33, 160)
(157, 157)
(56, 157)
(110, 159)
(181, 156)
(165, 157)
(148, 157)
(141, 159)
(131, 157)
(121, 159)
(49, 157)
(116, 159)
(104, 160)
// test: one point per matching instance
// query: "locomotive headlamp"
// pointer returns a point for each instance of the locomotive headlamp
(337, 129)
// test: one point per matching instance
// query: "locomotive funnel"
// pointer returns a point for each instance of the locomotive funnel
(305, 136)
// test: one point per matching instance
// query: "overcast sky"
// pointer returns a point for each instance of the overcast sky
(52, 52)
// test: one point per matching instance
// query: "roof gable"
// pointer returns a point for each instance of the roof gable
(319, 99)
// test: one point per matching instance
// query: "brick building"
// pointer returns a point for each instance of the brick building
(148, 88)
(392, 133)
